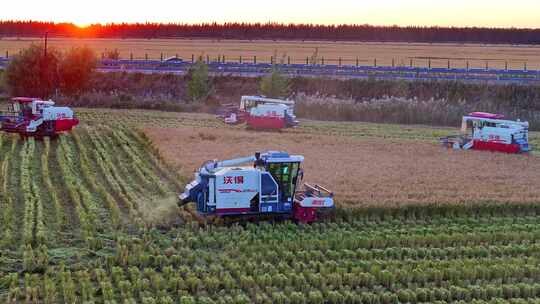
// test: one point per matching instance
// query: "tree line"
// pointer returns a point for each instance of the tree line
(274, 31)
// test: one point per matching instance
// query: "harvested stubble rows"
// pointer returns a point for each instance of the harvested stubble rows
(79, 231)
(79, 188)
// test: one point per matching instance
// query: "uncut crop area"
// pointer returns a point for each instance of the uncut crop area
(401, 53)
(369, 171)
(92, 218)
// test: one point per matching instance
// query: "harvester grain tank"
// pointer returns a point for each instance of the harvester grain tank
(269, 186)
(35, 117)
(261, 113)
(490, 132)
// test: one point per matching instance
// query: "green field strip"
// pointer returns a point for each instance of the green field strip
(152, 154)
(42, 232)
(3, 141)
(88, 168)
(144, 178)
(87, 199)
(132, 183)
(29, 196)
(144, 168)
(7, 208)
(89, 188)
(4, 173)
(53, 206)
(66, 214)
(14, 190)
(103, 173)
(116, 166)
(78, 194)
(114, 177)
(108, 175)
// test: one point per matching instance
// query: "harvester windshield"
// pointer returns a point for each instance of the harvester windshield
(286, 175)
(248, 102)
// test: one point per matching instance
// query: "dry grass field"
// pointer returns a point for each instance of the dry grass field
(402, 53)
(367, 170)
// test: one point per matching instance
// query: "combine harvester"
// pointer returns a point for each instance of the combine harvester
(35, 117)
(266, 188)
(261, 113)
(490, 132)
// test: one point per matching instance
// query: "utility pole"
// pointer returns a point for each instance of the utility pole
(45, 50)
(44, 68)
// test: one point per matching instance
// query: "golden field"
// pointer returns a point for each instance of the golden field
(298, 51)
(367, 170)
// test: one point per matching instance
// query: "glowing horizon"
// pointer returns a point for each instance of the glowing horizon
(460, 13)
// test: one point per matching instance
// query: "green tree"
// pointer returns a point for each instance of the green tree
(199, 87)
(76, 69)
(112, 54)
(274, 85)
(35, 72)
(2, 82)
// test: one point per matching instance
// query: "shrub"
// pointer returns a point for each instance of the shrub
(76, 69)
(112, 54)
(3, 89)
(274, 85)
(34, 72)
(199, 87)
(39, 73)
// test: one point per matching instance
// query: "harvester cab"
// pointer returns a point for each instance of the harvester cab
(35, 117)
(261, 113)
(268, 187)
(490, 132)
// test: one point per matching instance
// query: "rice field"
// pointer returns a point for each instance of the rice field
(419, 54)
(92, 218)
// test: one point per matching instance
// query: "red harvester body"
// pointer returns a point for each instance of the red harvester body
(29, 116)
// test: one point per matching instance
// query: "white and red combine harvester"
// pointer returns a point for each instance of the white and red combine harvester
(490, 132)
(261, 113)
(35, 117)
(269, 186)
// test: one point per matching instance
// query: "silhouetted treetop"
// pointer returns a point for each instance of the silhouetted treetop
(275, 31)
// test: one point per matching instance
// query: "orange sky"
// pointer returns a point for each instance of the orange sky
(496, 13)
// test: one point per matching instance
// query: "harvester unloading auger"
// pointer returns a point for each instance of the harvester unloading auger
(268, 187)
(35, 117)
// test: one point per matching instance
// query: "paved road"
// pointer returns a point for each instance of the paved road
(333, 71)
